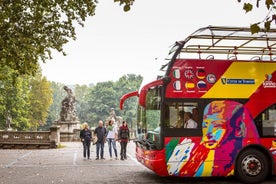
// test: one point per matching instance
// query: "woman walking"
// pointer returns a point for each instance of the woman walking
(124, 139)
(86, 136)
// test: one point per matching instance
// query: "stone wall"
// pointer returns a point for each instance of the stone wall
(30, 140)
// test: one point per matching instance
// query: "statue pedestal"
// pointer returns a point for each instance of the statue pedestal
(9, 129)
(68, 130)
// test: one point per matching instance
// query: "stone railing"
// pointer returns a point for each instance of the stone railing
(30, 140)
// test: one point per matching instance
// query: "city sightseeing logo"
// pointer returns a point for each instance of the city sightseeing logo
(268, 83)
(225, 81)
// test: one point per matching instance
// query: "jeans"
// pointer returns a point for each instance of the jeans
(100, 145)
(112, 143)
(123, 149)
(86, 148)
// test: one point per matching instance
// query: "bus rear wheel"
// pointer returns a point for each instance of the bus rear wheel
(252, 166)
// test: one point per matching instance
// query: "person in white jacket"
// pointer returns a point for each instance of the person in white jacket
(111, 137)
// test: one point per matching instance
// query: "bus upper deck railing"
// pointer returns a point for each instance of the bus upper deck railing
(226, 42)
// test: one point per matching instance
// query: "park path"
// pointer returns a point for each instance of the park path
(64, 165)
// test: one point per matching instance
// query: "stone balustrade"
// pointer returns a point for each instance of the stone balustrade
(30, 140)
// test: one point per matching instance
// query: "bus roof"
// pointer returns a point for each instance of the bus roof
(230, 43)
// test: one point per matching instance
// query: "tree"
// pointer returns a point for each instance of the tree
(126, 84)
(40, 100)
(271, 16)
(81, 91)
(100, 99)
(14, 98)
(58, 95)
(30, 29)
(24, 100)
(126, 3)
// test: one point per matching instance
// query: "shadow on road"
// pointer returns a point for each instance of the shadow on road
(153, 178)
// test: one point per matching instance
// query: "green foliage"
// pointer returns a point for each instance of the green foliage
(81, 92)
(40, 100)
(271, 16)
(100, 99)
(31, 29)
(13, 99)
(23, 99)
(58, 95)
(255, 28)
(247, 7)
(126, 3)
(94, 102)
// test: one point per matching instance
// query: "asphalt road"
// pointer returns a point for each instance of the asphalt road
(66, 165)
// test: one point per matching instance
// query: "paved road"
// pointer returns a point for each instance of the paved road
(66, 165)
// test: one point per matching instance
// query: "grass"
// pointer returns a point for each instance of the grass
(59, 146)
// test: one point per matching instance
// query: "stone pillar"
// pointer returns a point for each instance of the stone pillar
(55, 135)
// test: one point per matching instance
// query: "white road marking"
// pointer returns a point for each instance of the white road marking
(13, 162)
(77, 165)
(133, 159)
(75, 157)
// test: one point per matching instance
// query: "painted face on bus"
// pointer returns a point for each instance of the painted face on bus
(214, 125)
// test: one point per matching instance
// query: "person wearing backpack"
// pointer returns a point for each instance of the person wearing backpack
(123, 139)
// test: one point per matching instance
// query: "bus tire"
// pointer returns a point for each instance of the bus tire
(252, 166)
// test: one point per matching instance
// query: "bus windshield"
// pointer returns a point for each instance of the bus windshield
(148, 124)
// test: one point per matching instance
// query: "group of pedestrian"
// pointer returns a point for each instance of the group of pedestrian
(110, 134)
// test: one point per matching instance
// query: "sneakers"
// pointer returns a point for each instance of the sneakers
(101, 158)
(116, 158)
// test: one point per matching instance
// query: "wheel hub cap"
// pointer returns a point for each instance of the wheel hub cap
(251, 165)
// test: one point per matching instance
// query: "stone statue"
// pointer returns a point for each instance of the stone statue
(8, 121)
(68, 110)
(112, 114)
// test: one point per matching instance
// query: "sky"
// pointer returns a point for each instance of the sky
(114, 43)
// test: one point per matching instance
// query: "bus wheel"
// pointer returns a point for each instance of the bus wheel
(252, 166)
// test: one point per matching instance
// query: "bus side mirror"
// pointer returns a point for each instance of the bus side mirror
(126, 96)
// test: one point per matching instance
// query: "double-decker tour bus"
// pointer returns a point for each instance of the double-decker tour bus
(212, 112)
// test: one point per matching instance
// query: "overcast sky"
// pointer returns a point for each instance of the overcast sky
(113, 42)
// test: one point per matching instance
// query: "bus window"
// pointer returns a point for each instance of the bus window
(266, 122)
(182, 115)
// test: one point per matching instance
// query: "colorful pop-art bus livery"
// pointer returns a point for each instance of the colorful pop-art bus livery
(230, 99)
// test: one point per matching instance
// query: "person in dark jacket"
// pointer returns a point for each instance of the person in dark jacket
(100, 132)
(86, 137)
(123, 136)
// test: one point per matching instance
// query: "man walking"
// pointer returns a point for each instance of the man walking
(100, 132)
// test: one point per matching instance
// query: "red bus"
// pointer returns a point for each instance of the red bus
(212, 109)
